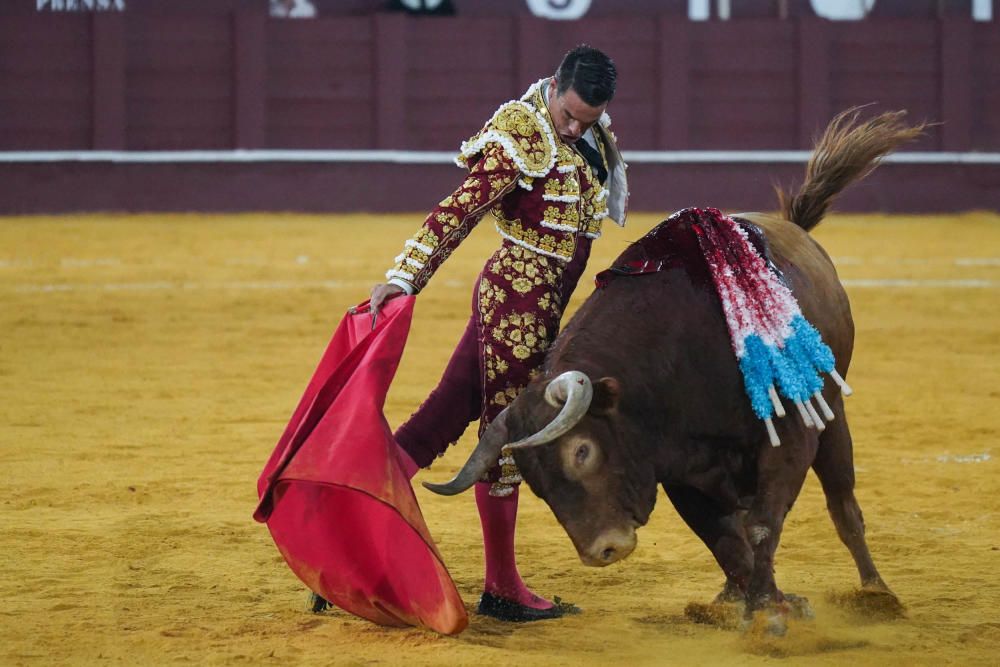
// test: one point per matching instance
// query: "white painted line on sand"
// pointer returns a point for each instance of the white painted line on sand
(158, 286)
(286, 285)
(102, 262)
(849, 260)
(908, 283)
(977, 261)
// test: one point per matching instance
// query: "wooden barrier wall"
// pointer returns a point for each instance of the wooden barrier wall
(159, 81)
(155, 78)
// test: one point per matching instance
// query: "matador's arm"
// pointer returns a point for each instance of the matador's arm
(490, 178)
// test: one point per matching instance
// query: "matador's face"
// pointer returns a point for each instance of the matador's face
(571, 116)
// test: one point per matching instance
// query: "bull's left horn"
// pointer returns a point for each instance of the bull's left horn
(573, 391)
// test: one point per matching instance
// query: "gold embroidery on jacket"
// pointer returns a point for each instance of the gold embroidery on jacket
(519, 130)
(551, 242)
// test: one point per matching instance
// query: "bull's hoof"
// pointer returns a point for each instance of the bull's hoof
(772, 621)
(317, 604)
(871, 602)
(798, 607)
(503, 609)
(775, 622)
(771, 618)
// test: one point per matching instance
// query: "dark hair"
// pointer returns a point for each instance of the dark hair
(590, 73)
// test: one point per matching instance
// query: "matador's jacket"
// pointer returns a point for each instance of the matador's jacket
(548, 205)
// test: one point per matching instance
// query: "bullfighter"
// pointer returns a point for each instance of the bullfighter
(548, 169)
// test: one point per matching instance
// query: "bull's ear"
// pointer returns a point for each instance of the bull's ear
(607, 391)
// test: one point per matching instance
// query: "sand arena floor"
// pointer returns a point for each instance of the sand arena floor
(149, 363)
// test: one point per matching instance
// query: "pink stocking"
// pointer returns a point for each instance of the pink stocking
(498, 516)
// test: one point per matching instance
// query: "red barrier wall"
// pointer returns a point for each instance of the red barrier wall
(159, 80)
(151, 81)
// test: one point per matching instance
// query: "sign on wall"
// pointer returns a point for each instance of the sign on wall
(560, 10)
(80, 5)
(702, 10)
(834, 10)
(855, 10)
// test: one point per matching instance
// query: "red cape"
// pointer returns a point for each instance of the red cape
(335, 497)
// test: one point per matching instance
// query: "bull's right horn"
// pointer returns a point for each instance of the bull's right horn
(573, 392)
(483, 457)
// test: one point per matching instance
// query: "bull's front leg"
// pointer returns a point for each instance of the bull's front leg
(722, 532)
(780, 474)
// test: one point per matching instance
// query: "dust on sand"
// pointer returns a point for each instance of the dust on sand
(149, 363)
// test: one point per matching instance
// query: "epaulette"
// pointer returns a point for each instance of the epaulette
(522, 133)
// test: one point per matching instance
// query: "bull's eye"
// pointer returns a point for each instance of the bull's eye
(581, 457)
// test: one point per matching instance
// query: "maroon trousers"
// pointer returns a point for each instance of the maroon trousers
(517, 306)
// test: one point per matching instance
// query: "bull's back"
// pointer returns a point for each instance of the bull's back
(814, 282)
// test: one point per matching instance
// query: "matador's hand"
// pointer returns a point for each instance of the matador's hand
(382, 293)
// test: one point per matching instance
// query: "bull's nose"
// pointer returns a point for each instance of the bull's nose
(611, 546)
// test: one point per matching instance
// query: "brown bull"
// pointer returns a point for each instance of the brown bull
(642, 388)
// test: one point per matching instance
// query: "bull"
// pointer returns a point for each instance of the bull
(642, 389)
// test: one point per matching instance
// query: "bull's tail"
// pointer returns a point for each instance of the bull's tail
(847, 152)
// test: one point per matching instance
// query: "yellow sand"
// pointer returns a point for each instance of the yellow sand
(149, 363)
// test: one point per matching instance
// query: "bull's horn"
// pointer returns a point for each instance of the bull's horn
(483, 458)
(573, 392)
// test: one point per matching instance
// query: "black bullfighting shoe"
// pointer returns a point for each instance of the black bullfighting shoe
(317, 603)
(503, 609)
